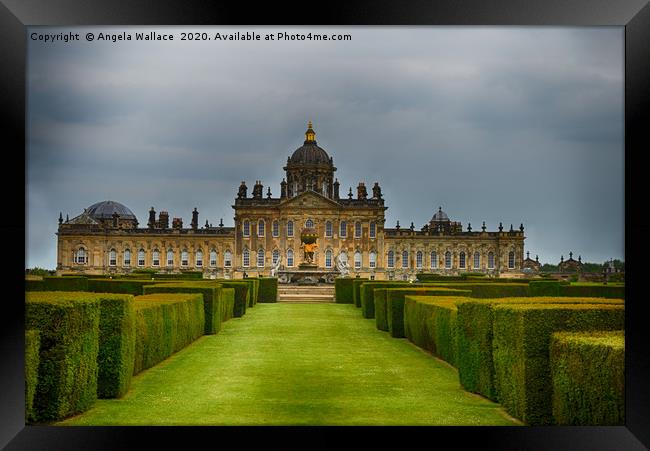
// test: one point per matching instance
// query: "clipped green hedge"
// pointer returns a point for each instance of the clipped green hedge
(366, 294)
(588, 374)
(395, 304)
(522, 334)
(69, 335)
(32, 348)
(116, 345)
(430, 323)
(546, 287)
(356, 290)
(165, 324)
(268, 289)
(34, 285)
(211, 292)
(343, 291)
(67, 283)
(125, 286)
(227, 304)
(475, 321)
(597, 291)
(242, 295)
(381, 316)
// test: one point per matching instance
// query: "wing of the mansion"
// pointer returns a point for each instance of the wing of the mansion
(349, 231)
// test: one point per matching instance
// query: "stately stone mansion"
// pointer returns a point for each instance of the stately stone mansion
(310, 227)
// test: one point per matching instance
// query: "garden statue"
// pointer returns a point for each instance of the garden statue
(274, 269)
(342, 264)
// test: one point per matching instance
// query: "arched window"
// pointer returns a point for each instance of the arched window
(373, 230)
(127, 257)
(405, 259)
(477, 260)
(261, 225)
(372, 259)
(227, 259)
(328, 258)
(112, 258)
(357, 260)
(343, 229)
(80, 256)
(309, 224)
(170, 257)
(246, 258)
(184, 258)
(275, 256)
(260, 258)
(276, 229)
(511, 260)
(418, 259)
(490, 260)
(390, 260)
(357, 229)
(448, 260)
(198, 259)
(247, 228)
(141, 257)
(434, 259)
(328, 229)
(289, 228)
(290, 257)
(461, 259)
(155, 258)
(213, 258)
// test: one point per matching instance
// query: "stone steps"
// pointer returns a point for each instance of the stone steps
(306, 294)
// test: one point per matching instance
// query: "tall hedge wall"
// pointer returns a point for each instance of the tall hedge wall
(545, 287)
(343, 291)
(522, 334)
(381, 316)
(165, 323)
(69, 334)
(475, 339)
(32, 348)
(116, 345)
(242, 296)
(54, 283)
(395, 304)
(34, 285)
(211, 300)
(356, 290)
(430, 323)
(227, 303)
(588, 374)
(268, 289)
(126, 286)
(366, 294)
(599, 291)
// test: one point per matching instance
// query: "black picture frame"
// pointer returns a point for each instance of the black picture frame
(634, 15)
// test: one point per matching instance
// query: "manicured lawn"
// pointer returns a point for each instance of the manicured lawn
(297, 364)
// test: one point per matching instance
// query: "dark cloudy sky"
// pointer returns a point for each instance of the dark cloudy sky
(492, 123)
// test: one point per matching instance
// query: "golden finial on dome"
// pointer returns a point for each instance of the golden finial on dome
(310, 135)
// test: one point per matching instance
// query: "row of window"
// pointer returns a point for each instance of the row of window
(81, 258)
(462, 260)
(275, 228)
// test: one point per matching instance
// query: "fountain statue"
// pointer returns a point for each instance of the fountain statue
(342, 264)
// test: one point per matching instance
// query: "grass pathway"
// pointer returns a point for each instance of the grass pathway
(297, 364)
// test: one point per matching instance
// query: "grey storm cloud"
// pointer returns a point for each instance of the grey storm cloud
(519, 125)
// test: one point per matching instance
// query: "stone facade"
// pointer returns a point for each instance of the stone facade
(105, 237)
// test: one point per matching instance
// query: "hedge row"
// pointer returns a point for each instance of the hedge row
(242, 296)
(54, 283)
(116, 345)
(367, 291)
(165, 323)
(356, 290)
(214, 310)
(475, 339)
(490, 290)
(126, 286)
(522, 335)
(430, 323)
(588, 374)
(545, 287)
(268, 289)
(395, 304)
(597, 291)
(68, 324)
(343, 290)
(32, 348)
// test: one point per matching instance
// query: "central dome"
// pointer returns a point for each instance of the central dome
(310, 152)
(105, 210)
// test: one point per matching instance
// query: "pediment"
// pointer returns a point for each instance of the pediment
(311, 200)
